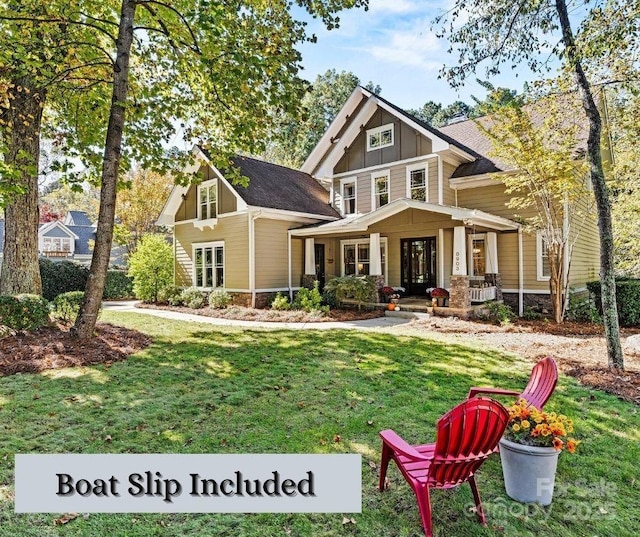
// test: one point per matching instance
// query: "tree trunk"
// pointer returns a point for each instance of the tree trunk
(20, 272)
(86, 321)
(603, 205)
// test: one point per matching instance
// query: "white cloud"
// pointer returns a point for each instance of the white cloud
(394, 6)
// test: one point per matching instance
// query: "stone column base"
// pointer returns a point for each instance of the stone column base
(459, 292)
(309, 280)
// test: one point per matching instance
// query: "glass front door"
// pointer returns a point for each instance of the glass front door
(418, 265)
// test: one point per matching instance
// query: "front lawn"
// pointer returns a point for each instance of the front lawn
(205, 389)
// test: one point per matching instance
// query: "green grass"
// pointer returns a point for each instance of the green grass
(204, 389)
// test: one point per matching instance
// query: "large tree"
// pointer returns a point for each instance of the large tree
(496, 32)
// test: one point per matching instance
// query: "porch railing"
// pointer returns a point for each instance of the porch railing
(482, 294)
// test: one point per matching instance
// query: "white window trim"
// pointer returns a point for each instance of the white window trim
(539, 260)
(344, 181)
(208, 183)
(214, 244)
(377, 130)
(470, 238)
(69, 240)
(413, 167)
(383, 242)
(378, 175)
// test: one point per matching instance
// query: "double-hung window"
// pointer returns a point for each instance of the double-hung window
(417, 182)
(380, 189)
(544, 272)
(356, 257)
(208, 265)
(208, 200)
(380, 137)
(348, 193)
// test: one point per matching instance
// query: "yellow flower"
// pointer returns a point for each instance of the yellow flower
(515, 428)
(525, 424)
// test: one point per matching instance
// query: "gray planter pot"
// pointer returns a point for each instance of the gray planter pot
(529, 471)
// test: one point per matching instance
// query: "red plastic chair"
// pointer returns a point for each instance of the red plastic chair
(543, 380)
(466, 436)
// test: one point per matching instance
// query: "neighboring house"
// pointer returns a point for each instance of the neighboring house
(382, 194)
(70, 239)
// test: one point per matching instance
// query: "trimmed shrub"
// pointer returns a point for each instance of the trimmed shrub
(359, 288)
(581, 309)
(193, 298)
(118, 285)
(280, 302)
(308, 299)
(219, 299)
(61, 277)
(151, 267)
(499, 313)
(169, 295)
(24, 312)
(329, 299)
(627, 298)
(67, 305)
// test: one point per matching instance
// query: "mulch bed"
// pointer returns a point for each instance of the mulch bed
(53, 348)
(624, 384)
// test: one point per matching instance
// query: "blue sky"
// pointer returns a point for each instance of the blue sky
(392, 45)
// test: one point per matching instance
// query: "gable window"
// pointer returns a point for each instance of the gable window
(208, 265)
(356, 257)
(544, 273)
(208, 200)
(380, 137)
(348, 193)
(417, 182)
(56, 244)
(380, 189)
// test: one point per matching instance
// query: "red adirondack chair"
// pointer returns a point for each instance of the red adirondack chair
(466, 436)
(542, 382)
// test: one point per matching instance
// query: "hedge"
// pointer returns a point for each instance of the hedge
(118, 285)
(627, 298)
(23, 312)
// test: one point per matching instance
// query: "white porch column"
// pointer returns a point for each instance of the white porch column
(309, 257)
(459, 252)
(491, 253)
(375, 259)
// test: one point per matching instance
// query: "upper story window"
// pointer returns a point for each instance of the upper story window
(208, 200)
(348, 193)
(380, 189)
(56, 244)
(417, 183)
(380, 137)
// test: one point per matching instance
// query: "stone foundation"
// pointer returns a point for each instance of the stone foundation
(538, 303)
(263, 300)
(459, 293)
(309, 280)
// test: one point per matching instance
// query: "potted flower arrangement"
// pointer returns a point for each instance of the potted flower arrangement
(440, 295)
(529, 451)
(389, 294)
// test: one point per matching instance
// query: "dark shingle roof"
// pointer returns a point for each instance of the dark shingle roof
(78, 218)
(278, 187)
(85, 234)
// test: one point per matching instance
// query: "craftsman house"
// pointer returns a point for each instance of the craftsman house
(382, 194)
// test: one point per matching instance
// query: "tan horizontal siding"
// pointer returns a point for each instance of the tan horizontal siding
(449, 194)
(234, 231)
(585, 259)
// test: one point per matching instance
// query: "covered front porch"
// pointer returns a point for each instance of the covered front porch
(415, 246)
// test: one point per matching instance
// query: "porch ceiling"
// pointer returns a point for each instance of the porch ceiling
(361, 223)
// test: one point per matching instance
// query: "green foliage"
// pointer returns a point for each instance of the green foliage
(582, 309)
(329, 298)
(170, 295)
(359, 288)
(280, 302)
(67, 305)
(118, 285)
(530, 314)
(151, 267)
(627, 300)
(193, 298)
(24, 312)
(219, 299)
(499, 312)
(61, 277)
(309, 299)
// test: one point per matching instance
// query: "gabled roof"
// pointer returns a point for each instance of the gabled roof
(362, 222)
(56, 225)
(277, 187)
(77, 218)
(80, 234)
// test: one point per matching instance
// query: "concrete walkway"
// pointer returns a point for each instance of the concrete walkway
(367, 324)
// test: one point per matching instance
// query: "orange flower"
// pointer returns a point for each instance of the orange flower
(557, 443)
(572, 444)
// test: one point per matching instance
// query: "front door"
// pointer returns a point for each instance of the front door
(319, 253)
(418, 265)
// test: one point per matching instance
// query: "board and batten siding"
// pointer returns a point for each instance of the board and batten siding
(188, 209)
(234, 231)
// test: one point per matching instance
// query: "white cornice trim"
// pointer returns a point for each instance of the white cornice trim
(412, 160)
(282, 214)
(475, 181)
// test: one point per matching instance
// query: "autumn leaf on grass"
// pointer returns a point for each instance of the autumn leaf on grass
(346, 520)
(337, 438)
(64, 519)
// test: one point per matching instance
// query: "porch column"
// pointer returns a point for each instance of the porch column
(309, 278)
(375, 259)
(309, 257)
(492, 253)
(459, 251)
